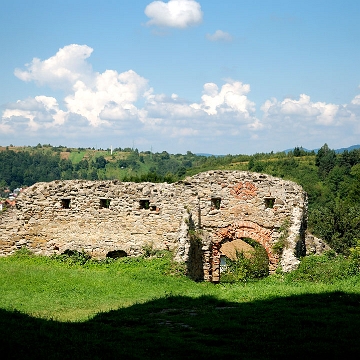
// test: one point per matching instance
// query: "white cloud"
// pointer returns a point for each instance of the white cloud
(219, 35)
(232, 98)
(224, 112)
(255, 126)
(160, 106)
(112, 95)
(98, 97)
(122, 106)
(109, 102)
(6, 129)
(37, 113)
(304, 122)
(356, 100)
(304, 109)
(61, 70)
(175, 13)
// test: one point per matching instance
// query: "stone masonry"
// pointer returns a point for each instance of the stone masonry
(194, 218)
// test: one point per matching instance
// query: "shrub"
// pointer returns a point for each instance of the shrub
(23, 251)
(328, 267)
(354, 257)
(150, 251)
(247, 267)
(73, 257)
(236, 270)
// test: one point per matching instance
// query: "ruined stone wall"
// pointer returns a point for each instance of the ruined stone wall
(46, 227)
(252, 205)
(104, 216)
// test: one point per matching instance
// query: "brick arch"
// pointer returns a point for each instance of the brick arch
(239, 230)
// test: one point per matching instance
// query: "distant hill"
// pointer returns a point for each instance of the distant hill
(338, 151)
(208, 155)
(353, 147)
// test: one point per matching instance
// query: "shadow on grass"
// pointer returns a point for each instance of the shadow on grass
(326, 325)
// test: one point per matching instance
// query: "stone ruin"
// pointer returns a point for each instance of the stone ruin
(195, 218)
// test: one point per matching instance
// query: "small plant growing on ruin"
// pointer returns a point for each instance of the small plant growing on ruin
(74, 257)
(23, 251)
(187, 208)
(150, 251)
(281, 243)
(195, 235)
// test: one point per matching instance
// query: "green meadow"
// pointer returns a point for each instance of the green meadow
(146, 308)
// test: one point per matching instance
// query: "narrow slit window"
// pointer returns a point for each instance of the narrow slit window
(104, 203)
(215, 203)
(65, 203)
(269, 203)
(144, 204)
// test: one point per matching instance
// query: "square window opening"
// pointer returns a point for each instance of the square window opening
(104, 203)
(65, 203)
(144, 204)
(215, 203)
(269, 203)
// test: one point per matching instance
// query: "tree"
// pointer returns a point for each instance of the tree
(335, 178)
(338, 224)
(353, 188)
(325, 160)
(82, 165)
(100, 162)
(94, 175)
(299, 151)
(65, 165)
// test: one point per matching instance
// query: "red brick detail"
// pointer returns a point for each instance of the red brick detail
(248, 229)
(244, 190)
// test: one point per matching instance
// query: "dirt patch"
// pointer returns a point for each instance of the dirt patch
(64, 155)
(230, 248)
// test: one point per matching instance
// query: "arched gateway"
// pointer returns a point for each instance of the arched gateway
(238, 231)
(102, 217)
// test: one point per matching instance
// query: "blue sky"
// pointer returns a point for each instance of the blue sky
(210, 76)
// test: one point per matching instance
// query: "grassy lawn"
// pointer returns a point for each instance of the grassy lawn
(143, 309)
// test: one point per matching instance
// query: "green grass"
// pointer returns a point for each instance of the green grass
(75, 292)
(143, 309)
(76, 156)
